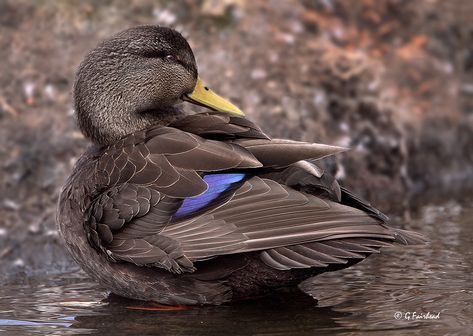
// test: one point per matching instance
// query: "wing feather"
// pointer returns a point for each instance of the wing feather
(288, 218)
(282, 153)
(295, 215)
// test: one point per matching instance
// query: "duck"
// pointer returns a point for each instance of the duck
(201, 208)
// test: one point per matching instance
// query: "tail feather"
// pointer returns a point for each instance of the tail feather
(404, 237)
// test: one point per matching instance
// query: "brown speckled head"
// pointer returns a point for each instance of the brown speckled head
(132, 81)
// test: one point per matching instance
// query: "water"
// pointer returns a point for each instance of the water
(364, 299)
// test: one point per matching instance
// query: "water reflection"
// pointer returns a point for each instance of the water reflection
(285, 314)
(362, 299)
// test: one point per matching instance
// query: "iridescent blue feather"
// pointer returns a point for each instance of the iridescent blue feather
(218, 184)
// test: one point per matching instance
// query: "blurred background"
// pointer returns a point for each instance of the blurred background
(391, 79)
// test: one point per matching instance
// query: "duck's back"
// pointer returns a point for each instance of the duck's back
(213, 199)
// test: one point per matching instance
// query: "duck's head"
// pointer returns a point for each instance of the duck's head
(135, 80)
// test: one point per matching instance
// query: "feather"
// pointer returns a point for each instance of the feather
(170, 198)
(218, 183)
(281, 153)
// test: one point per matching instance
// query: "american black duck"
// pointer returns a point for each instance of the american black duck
(203, 208)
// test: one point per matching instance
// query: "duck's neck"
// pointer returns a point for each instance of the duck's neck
(104, 132)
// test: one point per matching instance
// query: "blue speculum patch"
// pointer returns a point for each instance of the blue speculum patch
(218, 183)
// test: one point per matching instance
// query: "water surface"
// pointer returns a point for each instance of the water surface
(380, 296)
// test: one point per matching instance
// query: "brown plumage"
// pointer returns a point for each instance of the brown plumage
(198, 209)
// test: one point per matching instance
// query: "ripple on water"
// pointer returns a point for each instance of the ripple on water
(365, 298)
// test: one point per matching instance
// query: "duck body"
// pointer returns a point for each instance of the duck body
(206, 208)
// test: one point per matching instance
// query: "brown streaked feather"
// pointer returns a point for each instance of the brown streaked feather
(293, 216)
(350, 199)
(162, 156)
(144, 178)
(281, 153)
(221, 126)
(264, 215)
(317, 254)
(320, 254)
(160, 252)
(405, 237)
(307, 177)
(204, 237)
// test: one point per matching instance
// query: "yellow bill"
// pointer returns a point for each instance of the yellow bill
(203, 96)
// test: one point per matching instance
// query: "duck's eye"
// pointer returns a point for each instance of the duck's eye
(171, 57)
